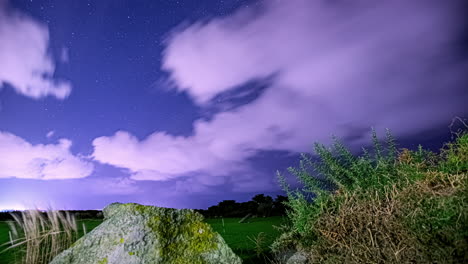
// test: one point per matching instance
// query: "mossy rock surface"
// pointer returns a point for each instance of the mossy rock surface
(133, 234)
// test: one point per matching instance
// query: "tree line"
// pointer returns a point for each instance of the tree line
(260, 205)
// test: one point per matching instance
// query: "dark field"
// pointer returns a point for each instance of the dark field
(237, 236)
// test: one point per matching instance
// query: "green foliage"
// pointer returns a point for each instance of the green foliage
(259, 242)
(455, 155)
(385, 205)
(377, 146)
(391, 145)
(336, 167)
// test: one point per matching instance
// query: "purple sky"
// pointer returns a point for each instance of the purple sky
(184, 104)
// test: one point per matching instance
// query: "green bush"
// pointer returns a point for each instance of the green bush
(386, 205)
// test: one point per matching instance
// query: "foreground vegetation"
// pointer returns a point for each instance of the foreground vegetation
(37, 237)
(384, 206)
(249, 240)
(39, 249)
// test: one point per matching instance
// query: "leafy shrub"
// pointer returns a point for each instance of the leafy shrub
(386, 205)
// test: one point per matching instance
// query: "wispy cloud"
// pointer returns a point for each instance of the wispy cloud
(338, 66)
(64, 55)
(114, 186)
(26, 64)
(50, 134)
(22, 159)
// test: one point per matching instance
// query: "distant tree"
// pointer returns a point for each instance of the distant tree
(250, 207)
(86, 214)
(202, 212)
(228, 208)
(264, 204)
(261, 198)
(259, 205)
(279, 207)
(213, 211)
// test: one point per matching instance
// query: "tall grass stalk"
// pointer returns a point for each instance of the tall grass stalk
(41, 236)
(84, 228)
(224, 230)
(259, 242)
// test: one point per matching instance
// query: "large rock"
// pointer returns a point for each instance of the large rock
(134, 234)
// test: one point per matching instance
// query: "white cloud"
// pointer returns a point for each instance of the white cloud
(21, 159)
(158, 157)
(26, 64)
(338, 68)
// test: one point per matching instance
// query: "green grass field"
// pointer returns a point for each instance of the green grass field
(236, 235)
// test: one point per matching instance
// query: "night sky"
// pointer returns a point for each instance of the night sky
(187, 103)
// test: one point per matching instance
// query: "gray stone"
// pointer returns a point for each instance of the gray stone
(291, 257)
(297, 258)
(137, 234)
(283, 256)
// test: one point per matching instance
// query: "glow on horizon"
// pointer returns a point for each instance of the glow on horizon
(23, 207)
(15, 207)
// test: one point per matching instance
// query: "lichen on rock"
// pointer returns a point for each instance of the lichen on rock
(133, 233)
